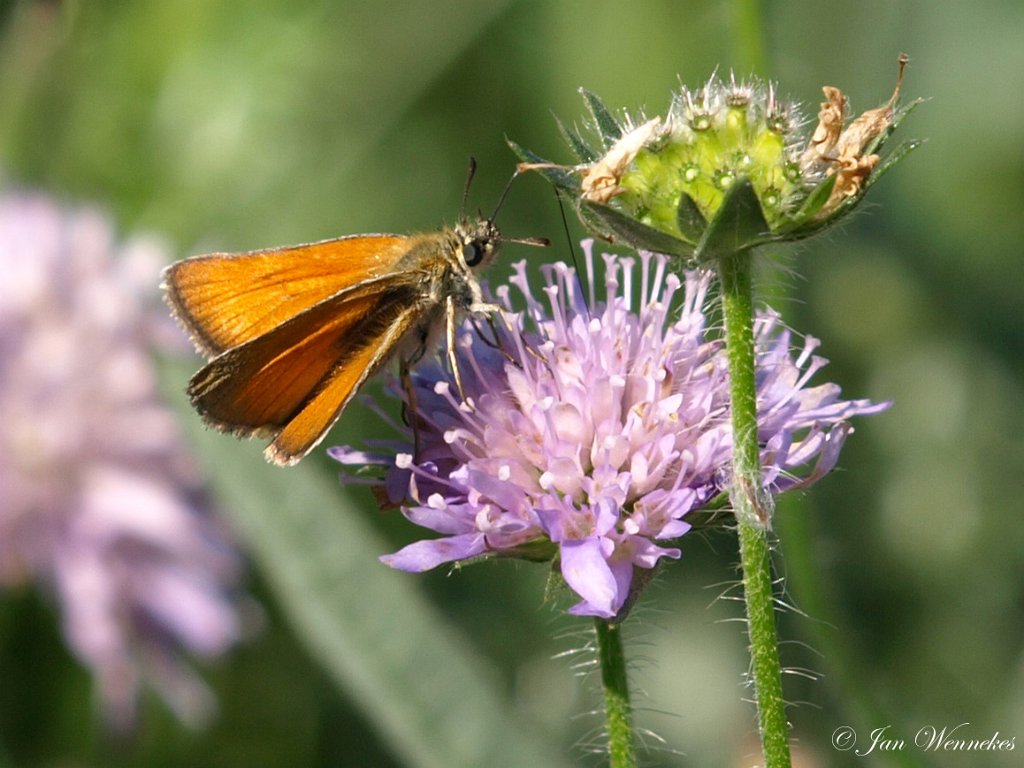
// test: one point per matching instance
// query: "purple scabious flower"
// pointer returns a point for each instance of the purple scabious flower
(100, 504)
(591, 426)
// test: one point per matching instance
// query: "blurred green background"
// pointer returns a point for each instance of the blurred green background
(230, 125)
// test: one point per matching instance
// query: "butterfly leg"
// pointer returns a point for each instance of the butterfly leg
(412, 412)
(494, 341)
(496, 344)
(451, 318)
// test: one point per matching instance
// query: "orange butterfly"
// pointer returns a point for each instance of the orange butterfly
(293, 333)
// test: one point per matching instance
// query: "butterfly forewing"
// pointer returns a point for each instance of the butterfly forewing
(226, 300)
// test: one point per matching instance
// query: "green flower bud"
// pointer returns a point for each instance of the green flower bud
(727, 167)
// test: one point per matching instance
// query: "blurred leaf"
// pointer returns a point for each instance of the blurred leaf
(815, 201)
(579, 147)
(435, 702)
(689, 219)
(605, 122)
(635, 233)
(559, 176)
(737, 225)
(594, 223)
(890, 161)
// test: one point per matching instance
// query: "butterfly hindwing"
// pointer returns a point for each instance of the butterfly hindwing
(307, 369)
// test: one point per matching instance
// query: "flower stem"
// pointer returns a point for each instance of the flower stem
(752, 507)
(618, 713)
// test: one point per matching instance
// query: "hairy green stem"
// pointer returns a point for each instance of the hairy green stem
(618, 713)
(753, 508)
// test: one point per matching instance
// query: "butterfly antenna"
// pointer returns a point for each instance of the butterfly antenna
(504, 194)
(469, 180)
(541, 242)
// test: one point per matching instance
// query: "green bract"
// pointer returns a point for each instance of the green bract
(728, 168)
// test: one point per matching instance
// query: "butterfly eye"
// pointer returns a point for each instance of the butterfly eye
(472, 253)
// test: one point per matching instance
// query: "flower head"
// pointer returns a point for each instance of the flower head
(591, 427)
(100, 502)
(729, 166)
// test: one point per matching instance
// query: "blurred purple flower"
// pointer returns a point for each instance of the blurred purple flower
(597, 427)
(99, 501)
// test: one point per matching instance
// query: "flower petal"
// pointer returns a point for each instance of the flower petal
(423, 555)
(585, 569)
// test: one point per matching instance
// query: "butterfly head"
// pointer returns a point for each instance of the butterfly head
(477, 243)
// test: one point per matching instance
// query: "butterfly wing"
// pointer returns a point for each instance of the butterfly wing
(225, 300)
(293, 382)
